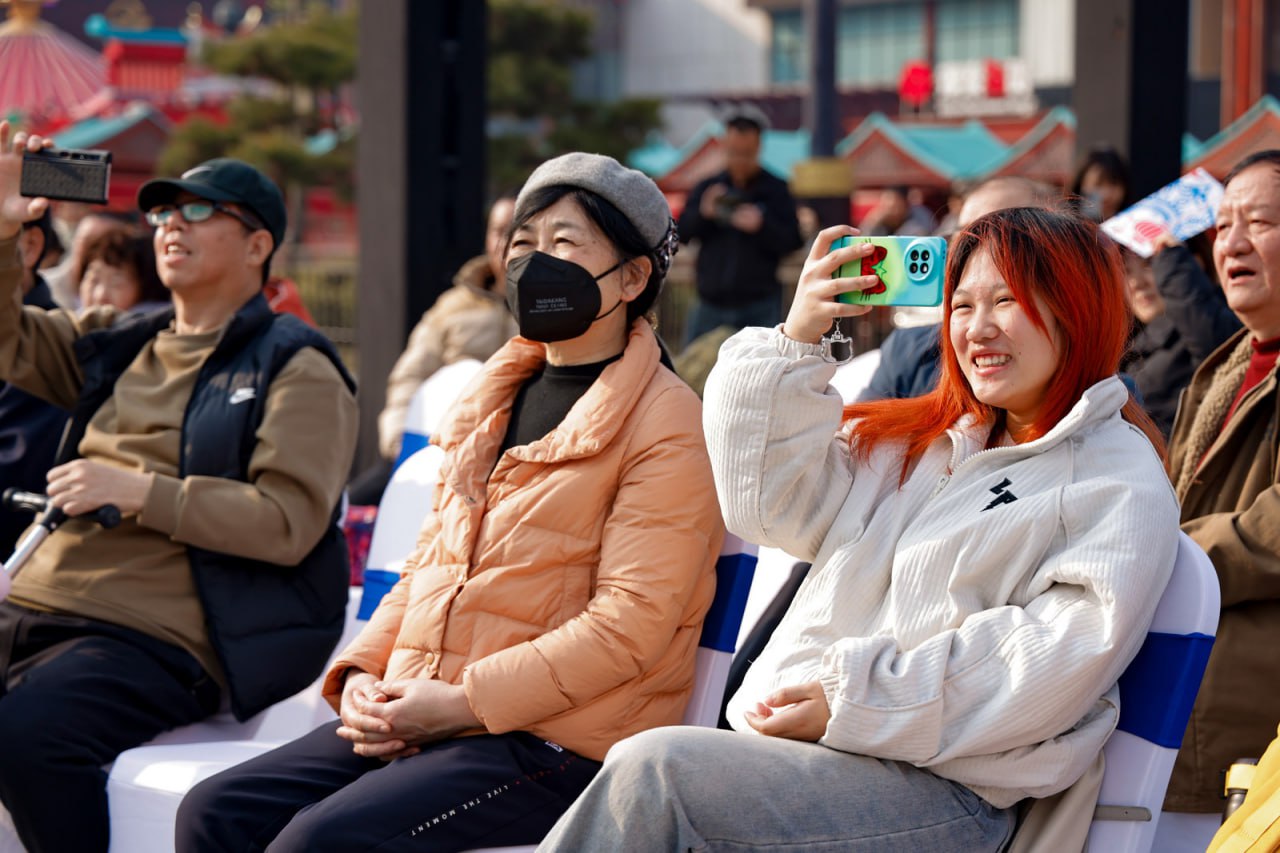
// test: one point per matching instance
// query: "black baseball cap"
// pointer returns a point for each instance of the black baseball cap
(223, 179)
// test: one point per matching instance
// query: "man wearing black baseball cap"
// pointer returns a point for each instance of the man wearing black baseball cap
(223, 180)
(223, 433)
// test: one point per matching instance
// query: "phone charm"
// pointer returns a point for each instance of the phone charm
(837, 347)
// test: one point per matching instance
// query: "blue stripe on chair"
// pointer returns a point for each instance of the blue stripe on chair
(1160, 686)
(733, 583)
(377, 583)
(410, 443)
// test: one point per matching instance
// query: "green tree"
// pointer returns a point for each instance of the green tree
(310, 53)
(533, 45)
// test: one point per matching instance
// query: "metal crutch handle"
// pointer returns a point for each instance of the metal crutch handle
(51, 517)
(106, 515)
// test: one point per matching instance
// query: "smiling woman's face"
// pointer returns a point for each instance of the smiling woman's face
(1008, 361)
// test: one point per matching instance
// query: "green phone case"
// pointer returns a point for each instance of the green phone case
(910, 270)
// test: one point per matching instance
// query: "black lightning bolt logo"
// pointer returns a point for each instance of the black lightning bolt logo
(1002, 496)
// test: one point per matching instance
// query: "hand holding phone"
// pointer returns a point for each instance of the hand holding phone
(909, 268)
(815, 306)
(14, 208)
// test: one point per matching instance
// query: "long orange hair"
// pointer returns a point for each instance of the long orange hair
(1078, 272)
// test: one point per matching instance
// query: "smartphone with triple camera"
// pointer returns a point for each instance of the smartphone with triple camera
(909, 269)
(68, 174)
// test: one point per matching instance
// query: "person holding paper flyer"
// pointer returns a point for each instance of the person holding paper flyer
(1222, 461)
(986, 561)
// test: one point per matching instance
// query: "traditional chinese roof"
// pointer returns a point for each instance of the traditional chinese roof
(679, 168)
(99, 27)
(97, 131)
(884, 153)
(1257, 129)
(1046, 153)
(46, 72)
(135, 136)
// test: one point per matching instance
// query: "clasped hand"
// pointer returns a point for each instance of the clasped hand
(392, 719)
(799, 712)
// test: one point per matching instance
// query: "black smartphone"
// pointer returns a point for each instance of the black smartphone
(68, 174)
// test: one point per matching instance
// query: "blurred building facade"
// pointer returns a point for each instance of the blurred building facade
(698, 54)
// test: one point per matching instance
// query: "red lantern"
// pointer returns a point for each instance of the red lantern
(916, 83)
(995, 79)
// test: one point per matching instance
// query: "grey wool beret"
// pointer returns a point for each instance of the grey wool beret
(634, 193)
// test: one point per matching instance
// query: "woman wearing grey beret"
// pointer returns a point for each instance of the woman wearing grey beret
(554, 603)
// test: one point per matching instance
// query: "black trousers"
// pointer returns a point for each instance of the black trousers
(74, 694)
(315, 794)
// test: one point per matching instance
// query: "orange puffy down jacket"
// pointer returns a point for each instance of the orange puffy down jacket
(566, 590)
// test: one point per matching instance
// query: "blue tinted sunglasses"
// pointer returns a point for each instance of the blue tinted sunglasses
(198, 211)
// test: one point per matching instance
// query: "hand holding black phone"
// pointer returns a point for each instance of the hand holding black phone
(69, 174)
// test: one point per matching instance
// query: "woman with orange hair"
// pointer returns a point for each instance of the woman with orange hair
(986, 562)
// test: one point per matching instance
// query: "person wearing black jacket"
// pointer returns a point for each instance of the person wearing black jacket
(744, 219)
(1182, 317)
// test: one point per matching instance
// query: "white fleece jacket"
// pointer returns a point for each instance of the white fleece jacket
(974, 621)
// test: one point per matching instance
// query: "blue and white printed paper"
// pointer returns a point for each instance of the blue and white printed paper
(1183, 208)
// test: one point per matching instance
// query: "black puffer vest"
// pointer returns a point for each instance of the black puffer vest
(273, 627)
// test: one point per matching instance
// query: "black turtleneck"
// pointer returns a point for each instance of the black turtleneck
(546, 397)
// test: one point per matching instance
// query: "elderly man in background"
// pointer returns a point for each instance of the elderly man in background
(1223, 461)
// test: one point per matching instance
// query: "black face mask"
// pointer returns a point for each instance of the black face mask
(553, 299)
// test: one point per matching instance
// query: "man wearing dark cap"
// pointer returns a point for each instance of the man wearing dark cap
(744, 220)
(223, 433)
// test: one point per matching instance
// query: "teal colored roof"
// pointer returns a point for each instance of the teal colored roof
(660, 157)
(98, 27)
(1265, 104)
(1033, 137)
(780, 150)
(96, 131)
(1191, 148)
(954, 151)
(655, 159)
